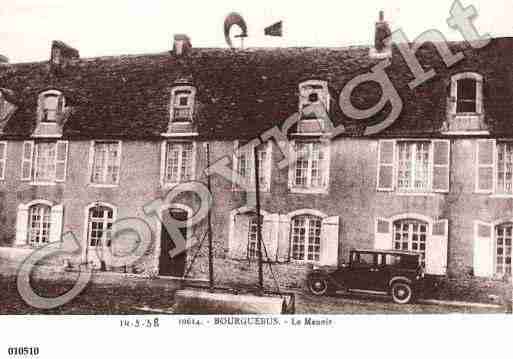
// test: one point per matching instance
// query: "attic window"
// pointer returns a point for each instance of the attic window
(466, 94)
(182, 104)
(51, 106)
(313, 94)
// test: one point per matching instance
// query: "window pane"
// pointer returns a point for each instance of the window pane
(467, 95)
(39, 225)
(411, 235)
(45, 162)
(50, 104)
(503, 246)
(100, 225)
(505, 168)
(414, 163)
(306, 238)
(179, 162)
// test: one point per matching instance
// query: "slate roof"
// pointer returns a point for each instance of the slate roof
(242, 94)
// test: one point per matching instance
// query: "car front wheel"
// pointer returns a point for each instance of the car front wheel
(402, 293)
(318, 286)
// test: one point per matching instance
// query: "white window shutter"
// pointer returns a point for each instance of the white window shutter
(326, 164)
(238, 245)
(163, 155)
(383, 234)
(483, 249)
(485, 166)
(436, 248)
(292, 164)
(270, 230)
(386, 160)
(56, 216)
(283, 250)
(329, 241)
(27, 160)
(454, 96)
(441, 166)
(22, 218)
(61, 161)
(479, 96)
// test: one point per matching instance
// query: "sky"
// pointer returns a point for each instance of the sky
(115, 27)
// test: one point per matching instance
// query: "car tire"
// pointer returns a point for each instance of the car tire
(318, 286)
(402, 293)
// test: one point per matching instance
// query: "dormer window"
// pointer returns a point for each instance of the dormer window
(465, 105)
(313, 92)
(51, 106)
(466, 93)
(182, 104)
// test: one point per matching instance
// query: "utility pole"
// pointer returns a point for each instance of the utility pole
(259, 222)
(210, 242)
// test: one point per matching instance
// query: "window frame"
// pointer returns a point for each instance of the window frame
(478, 78)
(163, 162)
(92, 154)
(496, 226)
(266, 168)
(44, 206)
(3, 159)
(428, 188)
(87, 221)
(61, 105)
(190, 106)
(305, 245)
(411, 233)
(324, 167)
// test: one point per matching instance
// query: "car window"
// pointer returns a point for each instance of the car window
(410, 262)
(364, 259)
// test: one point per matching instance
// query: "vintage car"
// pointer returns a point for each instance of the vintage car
(396, 273)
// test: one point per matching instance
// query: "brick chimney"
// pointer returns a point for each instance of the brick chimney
(382, 32)
(182, 45)
(62, 54)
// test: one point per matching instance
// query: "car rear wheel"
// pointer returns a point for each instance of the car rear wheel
(318, 286)
(402, 293)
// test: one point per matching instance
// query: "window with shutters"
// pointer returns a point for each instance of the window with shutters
(106, 161)
(39, 225)
(3, 159)
(244, 166)
(51, 106)
(99, 227)
(411, 235)
(310, 171)
(182, 103)
(494, 167)
(178, 162)
(306, 238)
(503, 249)
(414, 166)
(44, 162)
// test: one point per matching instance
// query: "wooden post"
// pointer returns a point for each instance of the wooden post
(259, 222)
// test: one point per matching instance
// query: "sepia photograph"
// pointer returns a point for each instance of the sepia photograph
(272, 164)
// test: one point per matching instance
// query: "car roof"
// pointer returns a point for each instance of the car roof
(394, 252)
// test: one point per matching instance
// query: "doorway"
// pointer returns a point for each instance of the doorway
(175, 266)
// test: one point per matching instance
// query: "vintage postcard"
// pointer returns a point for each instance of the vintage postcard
(170, 168)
